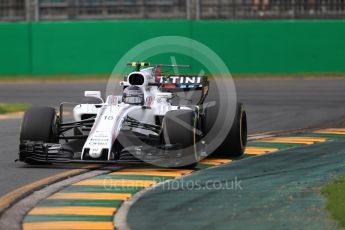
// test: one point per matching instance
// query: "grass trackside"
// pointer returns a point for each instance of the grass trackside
(52, 78)
(335, 195)
(12, 108)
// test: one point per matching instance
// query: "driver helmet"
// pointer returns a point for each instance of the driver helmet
(133, 95)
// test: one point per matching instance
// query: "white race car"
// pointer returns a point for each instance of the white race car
(142, 124)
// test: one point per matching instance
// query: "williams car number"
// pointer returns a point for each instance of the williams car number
(109, 118)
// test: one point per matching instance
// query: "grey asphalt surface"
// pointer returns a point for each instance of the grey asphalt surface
(272, 105)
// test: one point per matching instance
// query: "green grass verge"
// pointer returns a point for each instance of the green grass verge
(42, 78)
(335, 194)
(15, 107)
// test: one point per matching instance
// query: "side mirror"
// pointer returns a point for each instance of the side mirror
(95, 94)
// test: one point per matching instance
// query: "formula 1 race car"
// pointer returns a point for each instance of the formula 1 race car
(142, 124)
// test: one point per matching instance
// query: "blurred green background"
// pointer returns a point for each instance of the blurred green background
(248, 47)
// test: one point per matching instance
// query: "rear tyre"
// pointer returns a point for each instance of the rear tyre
(235, 141)
(179, 128)
(39, 124)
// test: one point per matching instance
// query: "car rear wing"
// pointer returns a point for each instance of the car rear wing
(181, 82)
(173, 83)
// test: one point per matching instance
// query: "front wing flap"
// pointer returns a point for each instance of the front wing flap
(39, 152)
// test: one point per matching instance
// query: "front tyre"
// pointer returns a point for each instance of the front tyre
(39, 124)
(180, 130)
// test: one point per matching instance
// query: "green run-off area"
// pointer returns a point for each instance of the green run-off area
(246, 46)
(334, 192)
